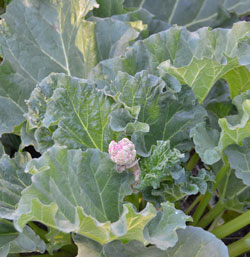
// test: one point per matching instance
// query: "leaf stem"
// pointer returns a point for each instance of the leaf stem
(211, 215)
(232, 226)
(205, 200)
(39, 231)
(194, 203)
(239, 247)
(192, 161)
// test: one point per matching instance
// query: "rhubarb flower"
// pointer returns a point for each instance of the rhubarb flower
(122, 153)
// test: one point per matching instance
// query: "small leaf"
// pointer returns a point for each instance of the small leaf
(13, 181)
(161, 230)
(239, 159)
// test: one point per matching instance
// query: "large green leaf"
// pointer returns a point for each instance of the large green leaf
(81, 112)
(193, 14)
(192, 57)
(92, 207)
(40, 37)
(207, 62)
(170, 116)
(13, 181)
(192, 242)
(239, 159)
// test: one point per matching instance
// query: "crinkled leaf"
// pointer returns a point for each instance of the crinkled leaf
(162, 162)
(81, 112)
(205, 140)
(38, 38)
(161, 230)
(239, 159)
(13, 181)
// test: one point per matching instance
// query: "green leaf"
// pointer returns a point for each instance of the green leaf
(27, 241)
(193, 14)
(131, 249)
(87, 247)
(56, 240)
(238, 80)
(206, 139)
(38, 38)
(162, 162)
(236, 127)
(93, 207)
(239, 159)
(194, 241)
(81, 112)
(151, 102)
(7, 232)
(13, 181)
(234, 193)
(218, 60)
(109, 8)
(161, 230)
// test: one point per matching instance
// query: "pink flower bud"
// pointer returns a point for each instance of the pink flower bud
(122, 153)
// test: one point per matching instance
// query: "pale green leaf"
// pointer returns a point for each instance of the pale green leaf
(87, 247)
(7, 232)
(27, 241)
(236, 127)
(13, 181)
(193, 14)
(194, 241)
(238, 80)
(81, 112)
(206, 139)
(40, 37)
(93, 207)
(161, 230)
(239, 159)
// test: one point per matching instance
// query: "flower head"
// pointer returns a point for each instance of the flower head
(122, 153)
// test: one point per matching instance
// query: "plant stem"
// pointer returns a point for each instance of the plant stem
(215, 222)
(239, 247)
(213, 213)
(204, 202)
(194, 203)
(232, 226)
(192, 161)
(39, 231)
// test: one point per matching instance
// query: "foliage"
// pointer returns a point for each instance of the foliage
(79, 75)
